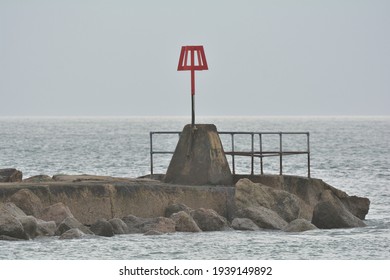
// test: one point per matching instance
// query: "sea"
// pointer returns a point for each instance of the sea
(351, 153)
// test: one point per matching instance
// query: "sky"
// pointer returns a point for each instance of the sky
(119, 57)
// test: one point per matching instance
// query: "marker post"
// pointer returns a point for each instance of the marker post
(197, 64)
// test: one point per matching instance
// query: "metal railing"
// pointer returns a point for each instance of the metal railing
(152, 152)
(261, 153)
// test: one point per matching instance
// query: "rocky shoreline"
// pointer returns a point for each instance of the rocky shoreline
(83, 205)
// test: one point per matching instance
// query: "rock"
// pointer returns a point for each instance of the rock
(184, 222)
(118, 226)
(11, 226)
(73, 233)
(244, 224)
(161, 224)
(262, 217)
(175, 208)
(134, 224)
(331, 213)
(46, 228)
(209, 220)
(9, 238)
(309, 190)
(286, 205)
(17, 217)
(39, 179)
(299, 225)
(358, 206)
(69, 223)
(153, 232)
(102, 228)
(28, 202)
(85, 178)
(30, 226)
(12, 209)
(142, 225)
(9, 175)
(56, 212)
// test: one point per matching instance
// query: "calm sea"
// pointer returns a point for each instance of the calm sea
(350, 153)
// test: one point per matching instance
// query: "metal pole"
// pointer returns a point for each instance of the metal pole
(193, 110)
(192, 88)
(308, 155)
(151, 153)
(252, 156)
(261, 153)
(233, 163)
(280, 154)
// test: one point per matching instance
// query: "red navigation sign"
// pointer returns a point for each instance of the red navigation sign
(192, 58)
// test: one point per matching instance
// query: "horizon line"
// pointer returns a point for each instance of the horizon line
(186, 116)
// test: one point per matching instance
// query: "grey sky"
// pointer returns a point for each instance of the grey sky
(265, 57)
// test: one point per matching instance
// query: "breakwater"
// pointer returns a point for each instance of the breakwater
(92, 197)
(101, 197)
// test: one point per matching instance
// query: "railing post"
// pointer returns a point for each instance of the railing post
(233, 163)
(280, 154)
(261, 153)
(151, 153)
(252, 153)
(308, 154)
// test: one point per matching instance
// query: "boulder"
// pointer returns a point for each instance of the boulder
(142, 225)
(17, 217)
(86, 178)
(30, 226)
(309, 190)
(9, 238)
(9, 175)
(184, 222)
(12, 209)
(262, 217)
(102, 228)
(330, 212)
(209, 220)
(56, 212)
(175, 208)
(11, 226)
(299, 225)
(244, 224)
(134, 224)
(285, 204)
(46, 228)
(27, 201)
(118, 226)
(73, 233)
(69, 223)
(39, 179)
(161, 224)
(358, 206)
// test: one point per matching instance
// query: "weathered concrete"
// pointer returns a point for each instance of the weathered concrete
(91, 198)
(199, 158)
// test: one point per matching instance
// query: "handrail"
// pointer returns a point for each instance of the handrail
(158, 152)
(261, 153)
